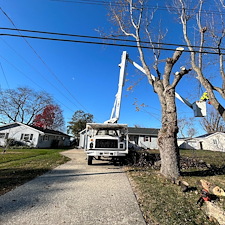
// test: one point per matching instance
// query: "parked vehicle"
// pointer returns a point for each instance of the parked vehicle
(109, 139)
(106, 140)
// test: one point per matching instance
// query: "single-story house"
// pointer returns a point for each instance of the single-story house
(146, 138)
(212, 142)
(33, 136)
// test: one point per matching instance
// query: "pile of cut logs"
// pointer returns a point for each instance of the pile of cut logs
(209, 199)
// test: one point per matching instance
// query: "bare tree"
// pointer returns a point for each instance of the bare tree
(204, 33)
(213, 122)
(134, 20)
(186, 127)
(22, 104)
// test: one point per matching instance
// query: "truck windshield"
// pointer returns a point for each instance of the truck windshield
(107, 132)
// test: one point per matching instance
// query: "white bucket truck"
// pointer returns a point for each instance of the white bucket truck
(110, 139)
(106, 140)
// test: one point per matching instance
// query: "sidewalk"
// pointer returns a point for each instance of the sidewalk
(73, 194)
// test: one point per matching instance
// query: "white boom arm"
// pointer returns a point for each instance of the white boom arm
(198, 106)
(153, 77)
(116, 108)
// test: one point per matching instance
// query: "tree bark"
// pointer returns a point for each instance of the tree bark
(167, 137)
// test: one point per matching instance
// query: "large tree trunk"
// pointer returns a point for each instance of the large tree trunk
(167, 137)
(134, 21)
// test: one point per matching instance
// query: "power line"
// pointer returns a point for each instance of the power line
(31, 79)
(147, 6)
(106, 38)
(51, 72)
(3, 72)
(85, 2)
(44, 77)
(100, 43)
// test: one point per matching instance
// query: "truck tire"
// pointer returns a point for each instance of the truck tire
(90, 160)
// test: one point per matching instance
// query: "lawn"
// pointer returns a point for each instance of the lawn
(161, 201)
(165, 203)
(18, 166)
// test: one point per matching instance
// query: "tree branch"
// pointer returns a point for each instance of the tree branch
(170, 62)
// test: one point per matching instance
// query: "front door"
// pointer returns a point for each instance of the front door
(136, 140)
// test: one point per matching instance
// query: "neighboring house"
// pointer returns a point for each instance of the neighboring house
(33, 136)
(187, 143)
(212, 142)
(146, 138)
(82, 139)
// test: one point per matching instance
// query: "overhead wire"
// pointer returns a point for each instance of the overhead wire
(83, 2)
(91, 42)
(98, 43)
(106, 38)
(110, 44)
(38, 72)
(51, 72)
(11, 64)
(3, 72)
(148, 6)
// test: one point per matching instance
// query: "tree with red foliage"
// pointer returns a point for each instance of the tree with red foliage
(50, 118)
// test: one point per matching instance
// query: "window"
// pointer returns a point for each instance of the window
(46, 137)
(147, 138)
(2, 135)
(214, 141)
(6, 135)
(26, 137)
(41, 138)
(107, 132)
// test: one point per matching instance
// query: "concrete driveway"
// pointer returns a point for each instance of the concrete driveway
(73, 193)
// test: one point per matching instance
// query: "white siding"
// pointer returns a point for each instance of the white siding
(19, 133)
(31, 136)
(144, 141)
(213, 142)
(148, 142)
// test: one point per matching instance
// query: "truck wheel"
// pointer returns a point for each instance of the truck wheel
(90, 160)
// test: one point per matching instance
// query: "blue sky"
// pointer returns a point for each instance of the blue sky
(78, 76)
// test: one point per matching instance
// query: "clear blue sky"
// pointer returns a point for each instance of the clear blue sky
(78, 76)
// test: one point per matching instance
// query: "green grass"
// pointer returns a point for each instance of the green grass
(164, 203)
(18, 166)
(161, 201)
(213, 158)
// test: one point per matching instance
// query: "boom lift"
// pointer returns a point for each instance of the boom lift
(199, 107)
(110, 139)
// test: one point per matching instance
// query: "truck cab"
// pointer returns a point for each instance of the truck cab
(106, 140)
